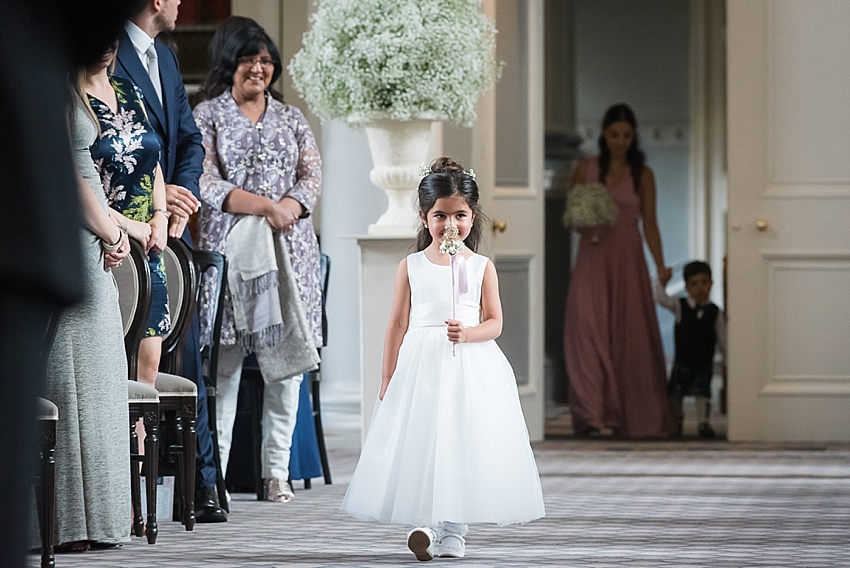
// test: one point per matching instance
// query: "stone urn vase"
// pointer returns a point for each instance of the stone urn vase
(398, 150)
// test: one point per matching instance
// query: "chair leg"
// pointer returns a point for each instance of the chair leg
(151, 422)
(320, 432)
(175, 451)
(48, 494)
(189, 411)
(219, 477)
(135, 481)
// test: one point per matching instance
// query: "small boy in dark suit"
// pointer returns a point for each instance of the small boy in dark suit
(700, 328)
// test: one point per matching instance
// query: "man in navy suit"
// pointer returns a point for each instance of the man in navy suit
(153, 68)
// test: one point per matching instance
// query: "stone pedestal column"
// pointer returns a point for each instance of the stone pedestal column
(379, 258)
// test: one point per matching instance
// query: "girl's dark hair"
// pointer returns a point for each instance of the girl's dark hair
(634, 156)
(237, 37)
(447, 179)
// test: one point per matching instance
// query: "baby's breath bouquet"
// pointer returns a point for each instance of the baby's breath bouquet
(364, 60)
(589, 205)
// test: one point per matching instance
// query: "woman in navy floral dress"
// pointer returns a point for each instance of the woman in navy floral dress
(126, 154)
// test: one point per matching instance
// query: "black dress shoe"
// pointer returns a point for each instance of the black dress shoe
(706, 431)
(207, 509)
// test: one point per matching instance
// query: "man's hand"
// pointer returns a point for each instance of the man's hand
(176, 226)
(180, 201)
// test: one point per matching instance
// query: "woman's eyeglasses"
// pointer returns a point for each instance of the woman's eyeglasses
(250, 61)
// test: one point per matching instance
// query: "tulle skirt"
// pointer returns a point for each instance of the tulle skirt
(448, 442)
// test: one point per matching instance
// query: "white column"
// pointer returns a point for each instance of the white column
(379, 259)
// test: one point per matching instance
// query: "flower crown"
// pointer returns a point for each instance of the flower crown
(425, 169)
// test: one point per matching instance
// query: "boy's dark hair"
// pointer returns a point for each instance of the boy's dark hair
(447, 178)
(694, 268)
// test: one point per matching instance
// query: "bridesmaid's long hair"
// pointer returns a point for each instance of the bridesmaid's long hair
(446, 179)
(634, 156)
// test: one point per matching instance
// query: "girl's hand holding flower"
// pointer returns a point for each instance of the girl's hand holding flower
(456, 331)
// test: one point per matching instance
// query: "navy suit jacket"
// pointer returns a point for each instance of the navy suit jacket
(183, 150)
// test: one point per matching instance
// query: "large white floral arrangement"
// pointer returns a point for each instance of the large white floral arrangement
(396, 59)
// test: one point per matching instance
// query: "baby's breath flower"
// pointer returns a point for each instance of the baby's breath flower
(451, 243)
(396, 59)
(589, 205)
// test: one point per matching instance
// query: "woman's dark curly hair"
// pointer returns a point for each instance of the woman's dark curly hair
(237, 37)
(446, 179)
(634, 156)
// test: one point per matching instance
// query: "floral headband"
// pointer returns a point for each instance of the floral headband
(425, 169)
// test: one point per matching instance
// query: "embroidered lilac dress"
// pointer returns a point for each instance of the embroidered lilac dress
(277, 157)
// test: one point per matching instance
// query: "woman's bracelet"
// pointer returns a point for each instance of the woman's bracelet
(112, 248)
(163, 211)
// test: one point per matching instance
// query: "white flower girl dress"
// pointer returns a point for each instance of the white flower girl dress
(448, 442)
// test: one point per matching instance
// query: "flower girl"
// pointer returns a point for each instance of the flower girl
(447, 445)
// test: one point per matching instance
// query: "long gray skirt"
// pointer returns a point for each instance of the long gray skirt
(87, 380)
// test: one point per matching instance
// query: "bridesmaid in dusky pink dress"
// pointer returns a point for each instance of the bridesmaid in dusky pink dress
(612, 345)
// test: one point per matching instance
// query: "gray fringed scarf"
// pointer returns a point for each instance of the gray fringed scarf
(267, 308)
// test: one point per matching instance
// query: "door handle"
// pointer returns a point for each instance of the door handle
(499, 226)
(761, 225)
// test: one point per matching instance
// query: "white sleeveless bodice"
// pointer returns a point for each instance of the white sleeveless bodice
(431, 292)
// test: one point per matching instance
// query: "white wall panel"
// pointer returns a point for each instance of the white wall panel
(808, 91)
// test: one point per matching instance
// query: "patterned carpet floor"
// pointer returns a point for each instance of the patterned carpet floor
(609, 504)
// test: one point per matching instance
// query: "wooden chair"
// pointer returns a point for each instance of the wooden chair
(47, 414)
(134, 297)
(204, 262)
(144, 405)
(178, 396)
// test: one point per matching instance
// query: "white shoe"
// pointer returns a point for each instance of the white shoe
(451, 546)
(420, 541)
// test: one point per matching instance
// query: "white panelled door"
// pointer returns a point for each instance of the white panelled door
(789, 220)
(507, 144)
